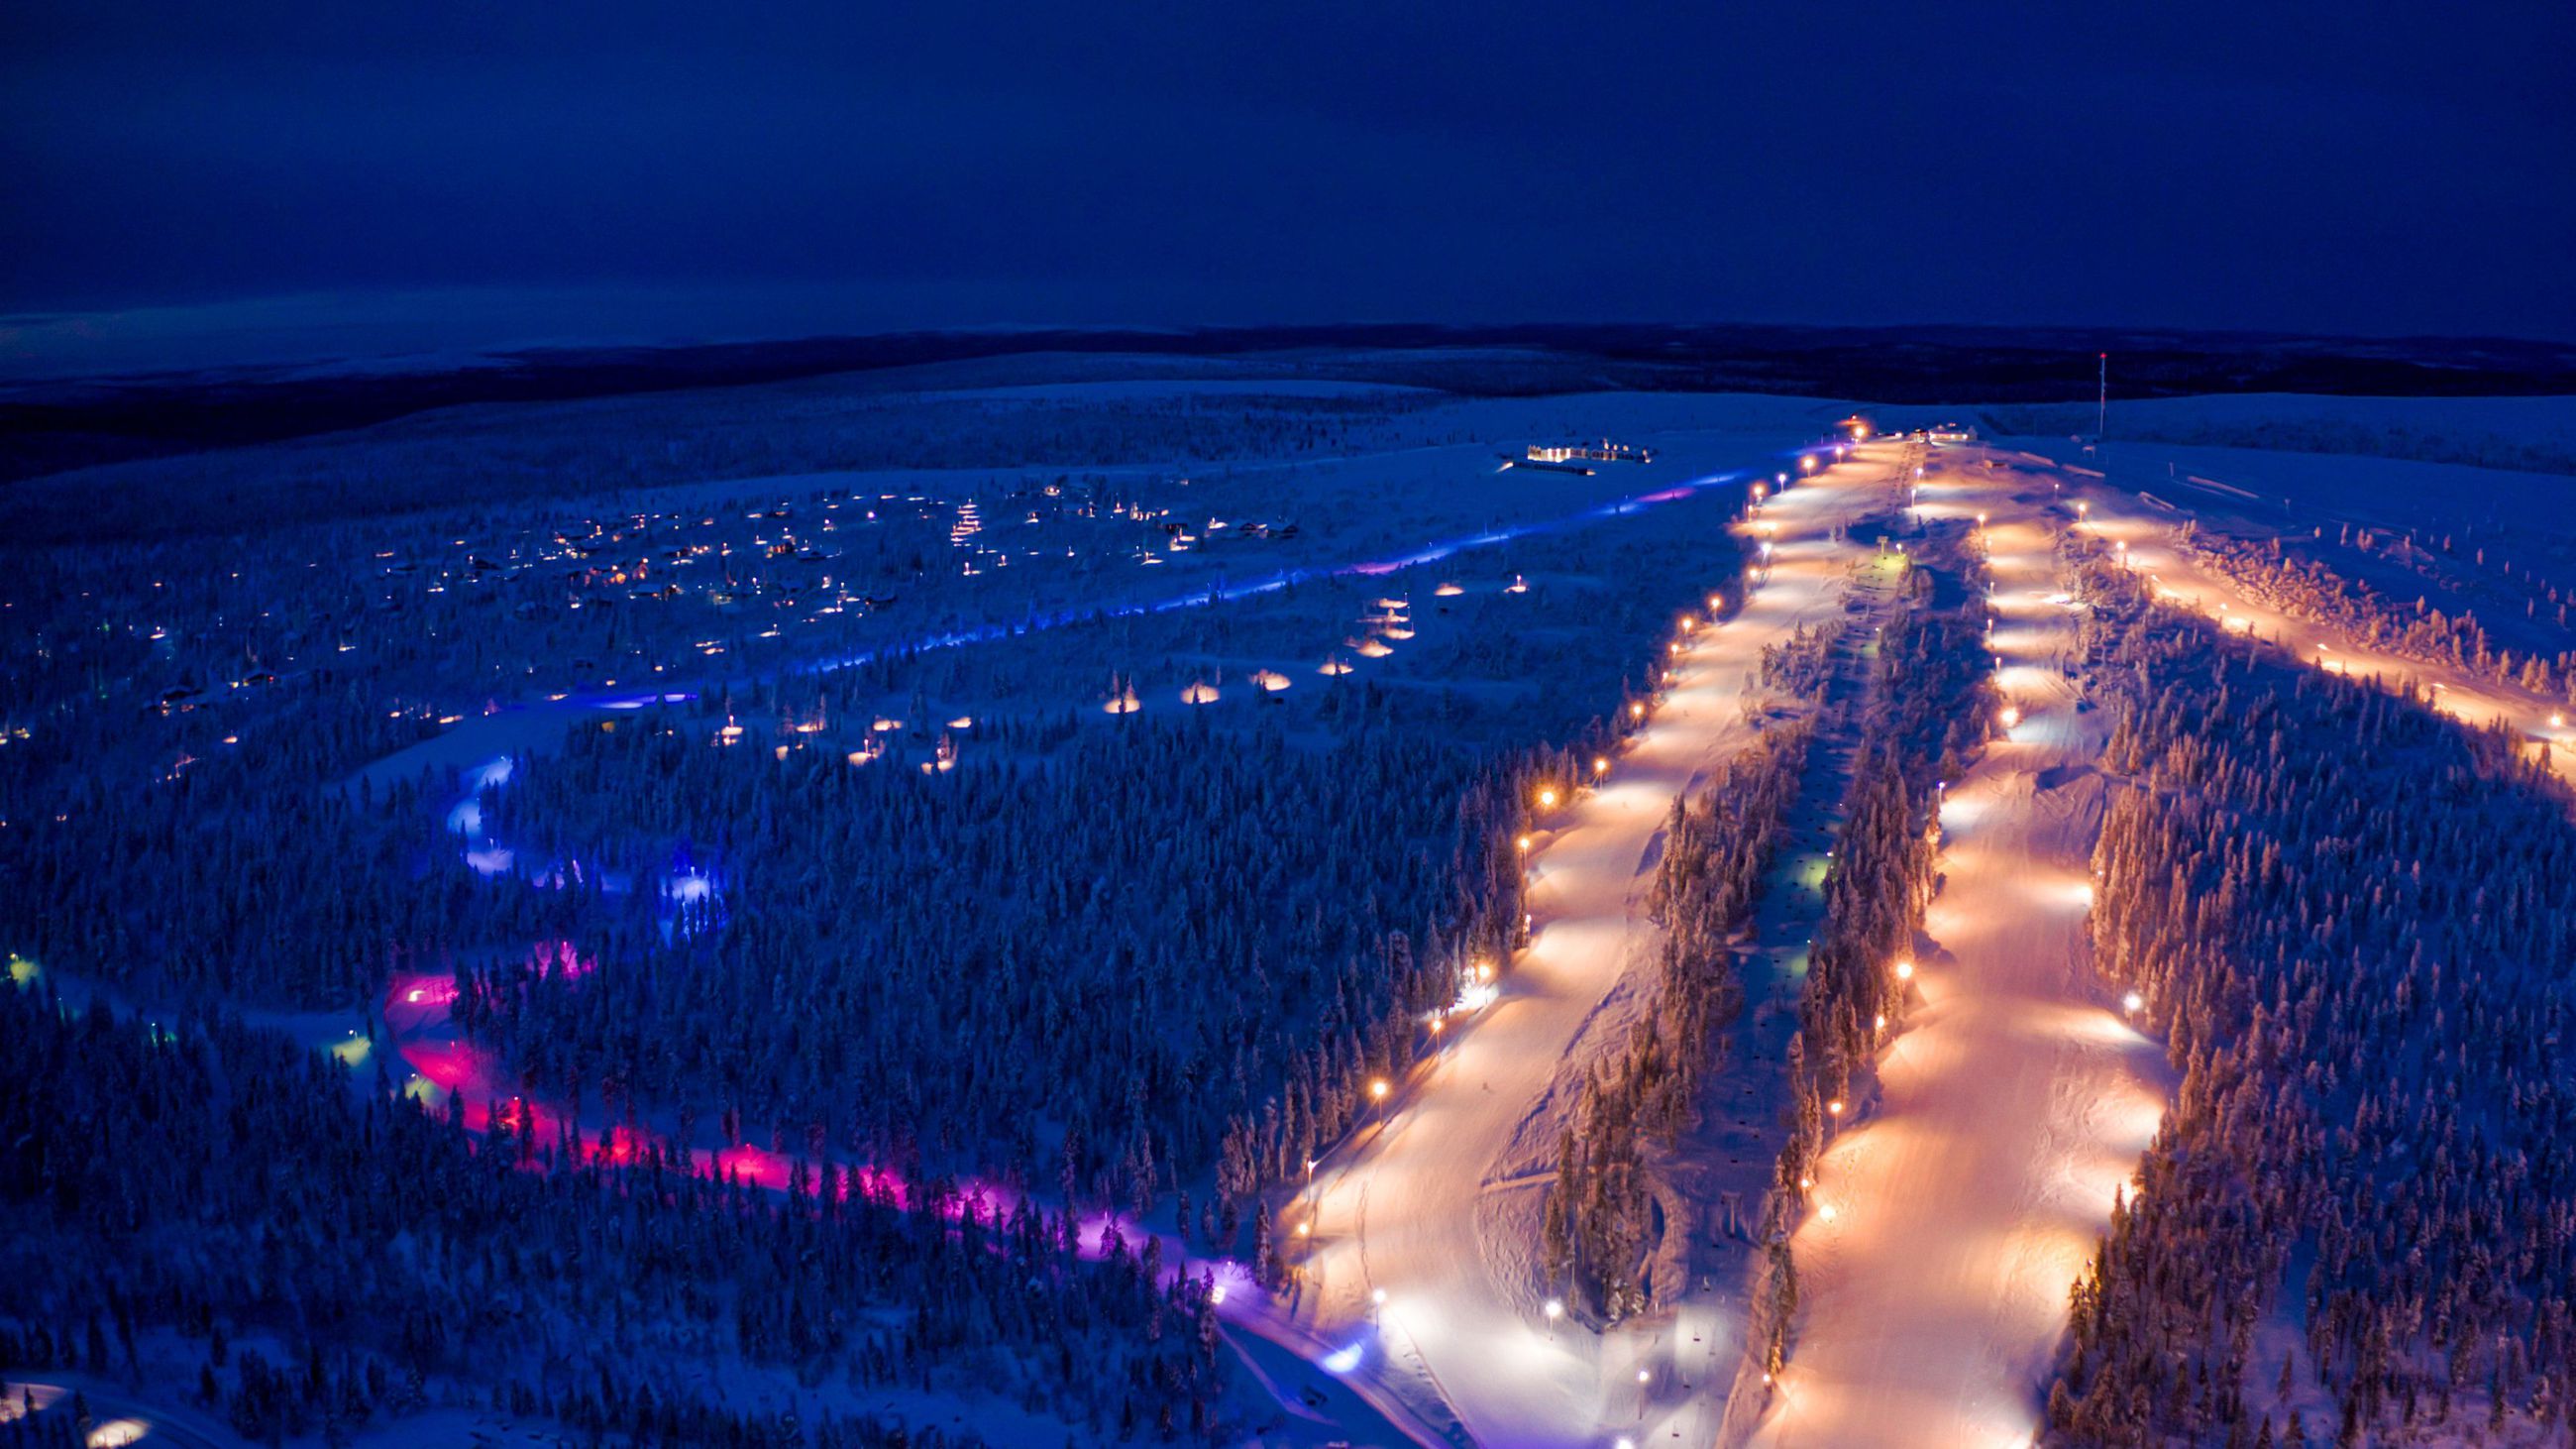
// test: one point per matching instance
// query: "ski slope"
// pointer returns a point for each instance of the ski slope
(1420, 1243)
(2144, 534)
(1952, 1217)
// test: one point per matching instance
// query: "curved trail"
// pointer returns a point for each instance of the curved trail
(2016, 1102)
(415, 1006)
(2473, 699)
(1438, 1206)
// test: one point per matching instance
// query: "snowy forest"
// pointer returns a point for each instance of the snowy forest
(339, 1250)
(2351, 921)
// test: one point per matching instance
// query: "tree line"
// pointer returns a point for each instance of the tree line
(2351, 920)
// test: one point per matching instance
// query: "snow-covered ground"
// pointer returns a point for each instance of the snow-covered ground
(2144, 533)
(1951, 1219)
(1437, 1206)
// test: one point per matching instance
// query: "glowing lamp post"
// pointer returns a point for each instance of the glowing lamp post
(1554, 1308)
(2132, 1002)
(1600, 765)
(1904, 970)
(1547, 797)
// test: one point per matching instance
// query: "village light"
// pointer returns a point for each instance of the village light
(1600, 765)
(1554, 1308)
(2131, 1002)
(1835, 1106)
(1377, 1090)
(1547, 798)
(1904, 970)
(1522, 844)
(1637, 709)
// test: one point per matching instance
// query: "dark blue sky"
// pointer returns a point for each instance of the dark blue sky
(2356, 167)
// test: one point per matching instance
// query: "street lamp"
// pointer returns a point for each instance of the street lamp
(1547, 798)
(2131, 1002)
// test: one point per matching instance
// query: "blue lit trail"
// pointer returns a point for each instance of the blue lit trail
(1222, 592)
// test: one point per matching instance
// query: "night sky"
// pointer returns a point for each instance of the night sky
(2350, 168)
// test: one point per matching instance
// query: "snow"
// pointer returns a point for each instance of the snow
(2472, 699)
(2016, 1102)
(1437, 1205)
